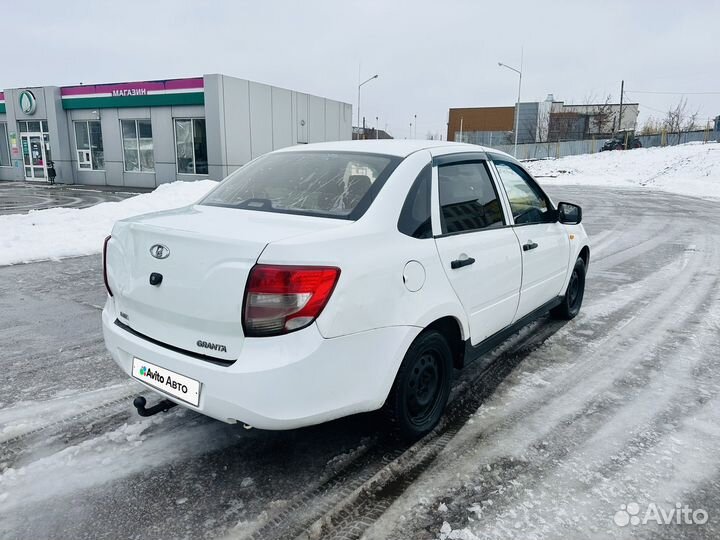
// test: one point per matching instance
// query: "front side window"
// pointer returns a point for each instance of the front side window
(191, 146)
(137, 145)
(327, 184)
(89, 145)
(4, 146)
(527, 201)
(468, 201)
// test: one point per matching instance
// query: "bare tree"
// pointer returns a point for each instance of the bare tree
(680, 120)
(603, 116)
(651, 126)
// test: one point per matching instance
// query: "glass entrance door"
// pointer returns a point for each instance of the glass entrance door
(36, 150)
(34, 156)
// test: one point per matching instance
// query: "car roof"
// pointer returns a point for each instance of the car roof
(393, 147)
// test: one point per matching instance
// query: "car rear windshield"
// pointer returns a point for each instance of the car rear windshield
(327, 184)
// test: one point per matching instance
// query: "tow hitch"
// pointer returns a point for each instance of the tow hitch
(164, 406)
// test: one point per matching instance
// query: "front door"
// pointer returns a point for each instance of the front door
(35, 142)
(544, 241)
(34, 156)
(479, 252)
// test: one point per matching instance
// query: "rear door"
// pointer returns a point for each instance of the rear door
(479, 251)
(544, 241)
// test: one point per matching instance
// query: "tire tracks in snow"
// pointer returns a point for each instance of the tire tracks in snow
(547, 424)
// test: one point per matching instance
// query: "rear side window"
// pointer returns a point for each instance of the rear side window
(327, 184)
(468, 200)
(415, 218)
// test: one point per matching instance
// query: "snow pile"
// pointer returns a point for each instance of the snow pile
(70, 232)
(690, 169)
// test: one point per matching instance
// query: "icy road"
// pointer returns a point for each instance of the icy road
(564, 431)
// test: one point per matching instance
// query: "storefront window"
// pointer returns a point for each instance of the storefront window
(4, 146)
(137, 145)
(89, 143)
(191, 146)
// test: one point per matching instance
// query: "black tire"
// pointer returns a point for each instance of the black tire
(422, 386)
(573, 298)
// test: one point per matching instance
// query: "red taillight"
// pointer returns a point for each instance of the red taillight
(281, 299)
(105, 265)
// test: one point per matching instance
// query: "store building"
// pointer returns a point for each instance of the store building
(142, 134)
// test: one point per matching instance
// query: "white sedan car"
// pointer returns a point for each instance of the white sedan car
(324, 280)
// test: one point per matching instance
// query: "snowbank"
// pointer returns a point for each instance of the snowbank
(70, 232)
(690, 169)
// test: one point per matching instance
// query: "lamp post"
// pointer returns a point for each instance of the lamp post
(359, 87)
(377, 127)
(517, 108)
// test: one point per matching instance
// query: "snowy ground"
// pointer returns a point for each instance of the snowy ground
(68, 232)
(690, 169)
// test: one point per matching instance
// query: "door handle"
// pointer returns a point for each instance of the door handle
(530, 245)
(459, 263)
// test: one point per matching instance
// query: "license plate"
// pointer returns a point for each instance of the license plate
(167, 381)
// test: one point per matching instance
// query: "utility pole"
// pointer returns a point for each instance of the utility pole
(622, 88)
(358, 109)
(517, 107)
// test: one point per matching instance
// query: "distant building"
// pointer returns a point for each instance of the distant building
(548, 120)
(369, 133)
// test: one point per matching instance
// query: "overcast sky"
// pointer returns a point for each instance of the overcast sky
(429, 55)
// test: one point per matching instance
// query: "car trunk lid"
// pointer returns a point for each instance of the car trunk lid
(204, 255)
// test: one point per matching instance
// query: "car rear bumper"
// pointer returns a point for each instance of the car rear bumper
(281, 382)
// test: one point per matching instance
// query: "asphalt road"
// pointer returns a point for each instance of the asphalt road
(556, 427)
(20, 197)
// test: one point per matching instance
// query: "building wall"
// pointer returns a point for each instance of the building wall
(538, 121)
(527, 122)
(246, 119)
(49, 108)
(163, 131)
(243, 120)
(612, 112)
(497, 119)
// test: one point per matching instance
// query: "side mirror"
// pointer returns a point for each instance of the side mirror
(569, 214)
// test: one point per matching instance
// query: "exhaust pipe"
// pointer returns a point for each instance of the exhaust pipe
(164, 406)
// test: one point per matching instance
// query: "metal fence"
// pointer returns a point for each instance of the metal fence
(590, 146)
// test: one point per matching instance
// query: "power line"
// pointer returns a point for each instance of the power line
(675, 93)
(647, 106)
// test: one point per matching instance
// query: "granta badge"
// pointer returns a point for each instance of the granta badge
(159, 251)
(213, 346)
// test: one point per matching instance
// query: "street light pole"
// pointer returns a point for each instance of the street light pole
(517, 108)
(358, 113)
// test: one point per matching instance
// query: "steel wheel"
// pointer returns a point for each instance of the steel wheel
(422, 386)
